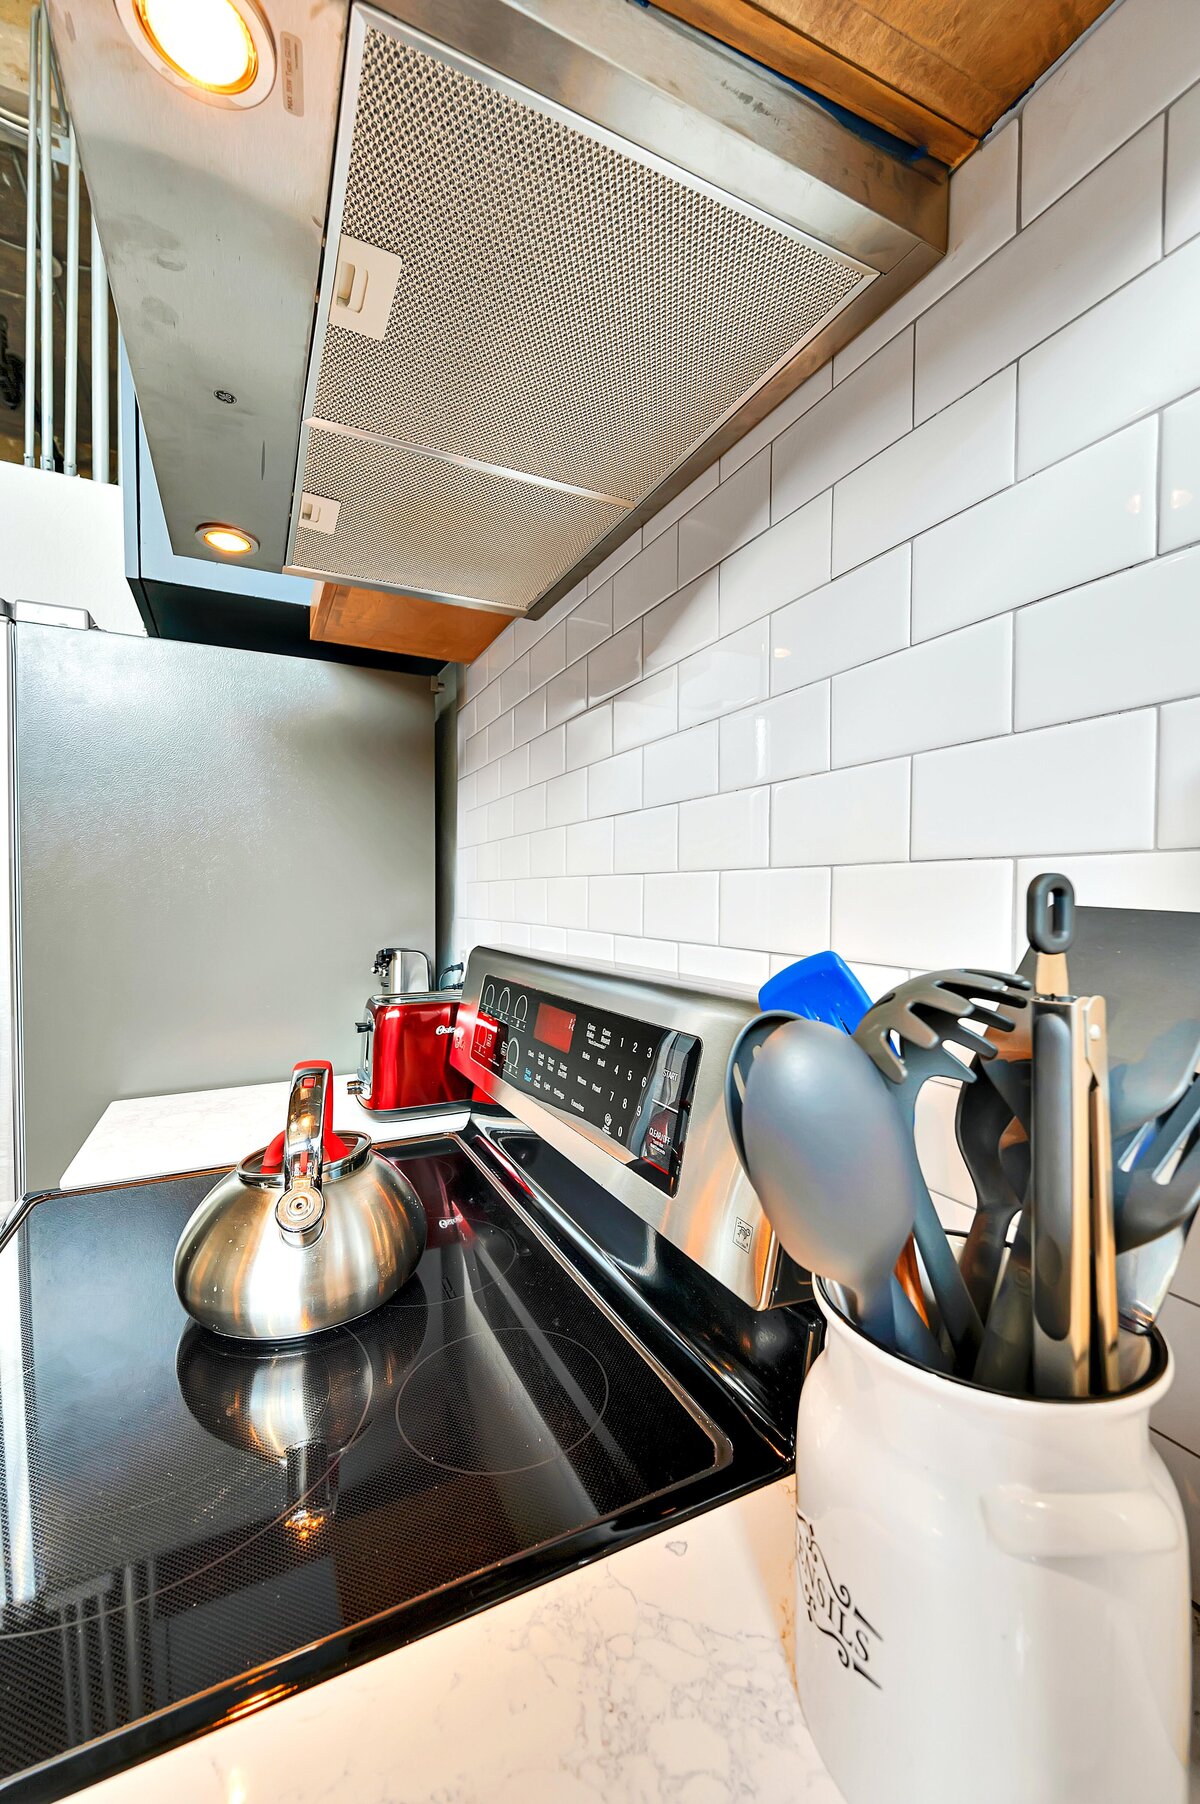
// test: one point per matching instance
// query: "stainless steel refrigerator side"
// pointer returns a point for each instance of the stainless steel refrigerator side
(12, 1151)
(445, 814)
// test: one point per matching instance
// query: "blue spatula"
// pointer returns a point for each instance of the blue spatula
(821, 988)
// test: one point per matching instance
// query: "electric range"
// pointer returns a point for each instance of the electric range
(193, 1527)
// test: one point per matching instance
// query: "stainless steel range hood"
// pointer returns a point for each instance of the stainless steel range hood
(572, 251)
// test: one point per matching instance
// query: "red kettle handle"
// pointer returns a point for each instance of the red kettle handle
(333, 1145)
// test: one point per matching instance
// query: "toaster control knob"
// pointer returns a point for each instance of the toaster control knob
(300, 1213)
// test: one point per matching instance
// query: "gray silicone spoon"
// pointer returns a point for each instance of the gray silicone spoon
(746, 1049)
(833, 1163)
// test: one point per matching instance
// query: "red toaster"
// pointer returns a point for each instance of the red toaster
(407, 1035)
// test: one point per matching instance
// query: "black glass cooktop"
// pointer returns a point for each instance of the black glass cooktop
(180, 1513)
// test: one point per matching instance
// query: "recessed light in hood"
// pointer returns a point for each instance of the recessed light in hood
(220, 50)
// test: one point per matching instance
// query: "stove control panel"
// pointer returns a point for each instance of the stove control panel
(630, 1081)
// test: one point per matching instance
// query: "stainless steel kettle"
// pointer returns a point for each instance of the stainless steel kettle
(305, 1234)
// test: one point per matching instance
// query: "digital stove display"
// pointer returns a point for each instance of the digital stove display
(629, 1080)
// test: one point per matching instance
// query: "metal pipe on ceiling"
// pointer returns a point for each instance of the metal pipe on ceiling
(100, 439)
(31, 206)
(45, 202)
(71, 361)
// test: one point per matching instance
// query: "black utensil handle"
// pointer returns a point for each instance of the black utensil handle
(1050, 913)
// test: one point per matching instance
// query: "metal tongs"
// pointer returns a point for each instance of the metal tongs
(1075, 1317)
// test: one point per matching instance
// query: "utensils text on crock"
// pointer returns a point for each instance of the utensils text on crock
(832, 1163)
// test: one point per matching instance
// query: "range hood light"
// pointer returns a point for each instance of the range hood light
(230, 541)
(215, 49)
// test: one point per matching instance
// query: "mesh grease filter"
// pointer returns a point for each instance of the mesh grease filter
(564, 309)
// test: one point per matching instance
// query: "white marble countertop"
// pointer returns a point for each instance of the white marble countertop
(152, 1136)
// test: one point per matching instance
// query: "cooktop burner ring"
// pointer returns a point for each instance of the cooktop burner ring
(489, 1237)
(578, 1414)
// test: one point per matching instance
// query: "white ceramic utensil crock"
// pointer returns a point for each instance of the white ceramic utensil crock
(992, 1592)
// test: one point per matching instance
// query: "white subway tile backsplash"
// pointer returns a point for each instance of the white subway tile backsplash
(566, 694)
(589, 623)
(684, 502)
(547, 755)
(682, 905)
(647, 955)
(1182, 219)
(647, 840)
(551, 942)
(860, 616)
(589, 848)
(646, 579)
(953, 460)
(732, 514)
(514, 771)
(869, 410)
(529, 900)
(1075, 788)
(682, 766)
(846, 817)
(589, 737)
(1179, 519)
(649, 710)
(567, 798)
(949, 689)
(785, 912)
(616, 560)
(615, 904)
(730, 674)
(1128, 880)
(567, 901)
(529, 809)
(595, 948)
(615, 664)
(1095, 238)
(680, 626)
(983, 213)
(1126, 357)
(501, 651)
(725, 832)
(615, 784)
(1080, 519)
(487, 704)
(777, 421)
(1117, 79)
(787, 737)
(941, 1162)
(925, 916)
(1118, 643)
(500, 737)
(529, 718)
(787, 560)
(737, 970)
(514, 682)
(1179, 775)
(548, 656)
(487, 783)
(548, 852)
(500, 818)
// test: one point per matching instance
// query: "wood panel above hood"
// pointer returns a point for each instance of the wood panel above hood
(937, 73)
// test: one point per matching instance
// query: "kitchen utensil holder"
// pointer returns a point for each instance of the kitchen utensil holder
(992, 1591)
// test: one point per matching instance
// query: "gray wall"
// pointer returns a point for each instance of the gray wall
(212, 846)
